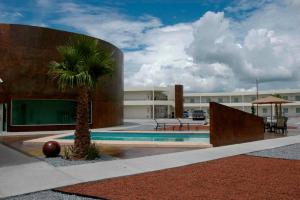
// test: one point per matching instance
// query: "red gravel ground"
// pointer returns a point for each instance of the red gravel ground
(238, 177)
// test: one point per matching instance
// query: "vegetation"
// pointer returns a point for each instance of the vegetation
(277, 95)
(92, 152)
(253, 110)
(83, 63)
(68, 152)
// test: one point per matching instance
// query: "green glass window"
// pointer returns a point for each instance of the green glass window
(297, 110)
(297, 98)
(285, 110)
(43, 112)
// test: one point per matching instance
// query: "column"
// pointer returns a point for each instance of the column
(243, 100)
(153, 111)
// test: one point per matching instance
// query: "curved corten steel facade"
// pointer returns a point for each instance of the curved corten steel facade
(25, 55)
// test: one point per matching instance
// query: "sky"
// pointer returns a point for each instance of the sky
(206, 45)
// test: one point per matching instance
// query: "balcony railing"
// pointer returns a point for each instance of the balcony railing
(156, 99)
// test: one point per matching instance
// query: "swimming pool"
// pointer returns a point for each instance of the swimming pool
(146, 137)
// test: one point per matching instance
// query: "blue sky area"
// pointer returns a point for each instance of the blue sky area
(206, 45)
(168, 11)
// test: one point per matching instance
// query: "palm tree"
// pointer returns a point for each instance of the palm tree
(84, 61)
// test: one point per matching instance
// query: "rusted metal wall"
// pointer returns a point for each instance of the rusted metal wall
(178, 101)
(25, 53)
(232, 126)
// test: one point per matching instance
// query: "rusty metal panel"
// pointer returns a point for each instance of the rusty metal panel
(232, 126)
(179, 101)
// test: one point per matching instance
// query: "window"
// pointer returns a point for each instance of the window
(253, 98)
(297, 98)
(265, 110)
(44, 112)
(285, 110)
(285, 97)
(208, 100)
(220, 100)
(297, 110)
(192, 100)
(235, 99)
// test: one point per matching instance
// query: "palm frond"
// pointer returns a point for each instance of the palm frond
(84, 61)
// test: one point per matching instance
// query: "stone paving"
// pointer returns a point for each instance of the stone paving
(9, 157)
(291, 152)
(59, 161)
(49, 194)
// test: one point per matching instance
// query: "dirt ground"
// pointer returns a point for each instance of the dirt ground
(238, 177)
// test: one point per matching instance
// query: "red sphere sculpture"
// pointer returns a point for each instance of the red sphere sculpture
(51, 149)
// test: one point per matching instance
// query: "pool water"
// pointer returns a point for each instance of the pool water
(157, 137)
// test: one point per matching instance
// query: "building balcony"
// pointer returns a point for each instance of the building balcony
(148, 102)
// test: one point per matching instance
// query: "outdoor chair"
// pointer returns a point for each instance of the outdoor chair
(165, 123)
(285, 124)
(266, 124)
(183, 122)
(158, 125)
(189, 123)
(281, 125)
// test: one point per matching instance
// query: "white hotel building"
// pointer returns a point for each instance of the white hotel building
(149, 102)
(140, 104)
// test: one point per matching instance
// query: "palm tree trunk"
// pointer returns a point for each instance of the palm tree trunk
(82, 133)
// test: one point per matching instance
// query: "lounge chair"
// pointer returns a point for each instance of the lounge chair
(165, 123)
(189, 123)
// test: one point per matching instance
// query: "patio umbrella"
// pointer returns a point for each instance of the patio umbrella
(271, 100)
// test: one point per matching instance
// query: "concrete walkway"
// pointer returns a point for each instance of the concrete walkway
(9, 156)
(21, 174)
(32, 177)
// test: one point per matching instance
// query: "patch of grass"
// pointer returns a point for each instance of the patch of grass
(68, 152)
(92, 152)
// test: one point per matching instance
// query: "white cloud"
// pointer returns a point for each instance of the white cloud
(8, 15)
(44, 3)
(245, 5)
(107, 24)
(267, 48)
(213, 53)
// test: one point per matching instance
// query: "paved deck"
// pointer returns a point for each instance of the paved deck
(9, 157)
(291, 152)
(21, 174)
(36, 176)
